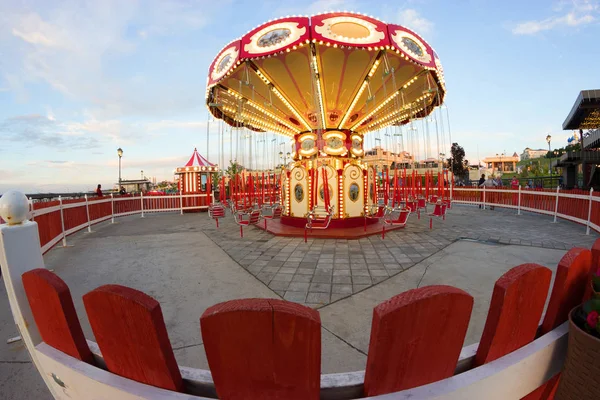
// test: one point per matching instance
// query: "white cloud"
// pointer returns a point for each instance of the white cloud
(580, 13)
(411, 19)
(168, 124)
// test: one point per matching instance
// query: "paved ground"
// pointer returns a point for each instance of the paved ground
(188, 265)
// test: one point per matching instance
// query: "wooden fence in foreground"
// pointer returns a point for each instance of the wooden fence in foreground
(271, 349)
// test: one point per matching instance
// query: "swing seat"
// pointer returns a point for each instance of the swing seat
(274, 213)
(422, 204)
(439, 210)
(411, 205)
(319, 217)
(216, 211)
(247, 219)
(397, 220)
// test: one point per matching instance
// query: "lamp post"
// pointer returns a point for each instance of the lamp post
(549, 139)
(120, 154)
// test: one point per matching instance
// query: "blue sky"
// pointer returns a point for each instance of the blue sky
(78, 79)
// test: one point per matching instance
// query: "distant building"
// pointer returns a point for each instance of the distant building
(528, 153)
(380, 157)
(501, 163)
(135, 185)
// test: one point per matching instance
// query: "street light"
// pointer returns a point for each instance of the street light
(120, 154)
(549, 139)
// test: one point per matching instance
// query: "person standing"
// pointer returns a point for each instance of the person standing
(481, 181)
(490, 182)
(122, 191)
(99, 191)
(514, 185)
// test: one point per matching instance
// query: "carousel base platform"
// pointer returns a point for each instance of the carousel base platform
(277, 228)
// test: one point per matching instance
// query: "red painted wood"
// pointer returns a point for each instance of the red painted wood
(54, 313)
(263, 349)
(515, 311)
(569, 287)
(416, 338)
(131, 333)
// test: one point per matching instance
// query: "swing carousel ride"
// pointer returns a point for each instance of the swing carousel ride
(323, 83)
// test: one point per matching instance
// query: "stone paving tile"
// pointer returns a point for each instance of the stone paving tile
(302, 278)
(299, 286)
(367, 261)
(320, 287)
(319, 298)
(298, 297)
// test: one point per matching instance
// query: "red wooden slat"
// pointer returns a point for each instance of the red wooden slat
(515, 311)
(54, 313)
(263, 349)
(569, 287)
(416, 338)
(131, 333)
(568, 291)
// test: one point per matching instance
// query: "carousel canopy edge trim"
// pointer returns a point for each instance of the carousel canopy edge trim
(331, 71)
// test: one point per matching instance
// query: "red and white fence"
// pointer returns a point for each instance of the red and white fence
(578, 206)
(271, 349)
(60, 218)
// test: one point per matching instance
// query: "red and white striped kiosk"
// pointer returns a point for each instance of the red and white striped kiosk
(195, 178)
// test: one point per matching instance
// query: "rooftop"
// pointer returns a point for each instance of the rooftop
(585, 113)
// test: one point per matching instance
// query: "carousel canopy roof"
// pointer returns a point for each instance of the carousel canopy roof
(340, 71)
(198, 161)
(585, 113)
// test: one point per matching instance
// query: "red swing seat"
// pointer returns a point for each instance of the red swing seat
(275, 212)
(252, 219)
(216, 211)
(438, 211)
(319, 217)
(397, 220)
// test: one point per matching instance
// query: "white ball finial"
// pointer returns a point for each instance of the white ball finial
(14, 207)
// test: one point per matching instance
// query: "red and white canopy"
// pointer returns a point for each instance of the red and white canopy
(198, 163)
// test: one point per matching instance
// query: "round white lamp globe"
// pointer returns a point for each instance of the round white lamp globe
(14, 207)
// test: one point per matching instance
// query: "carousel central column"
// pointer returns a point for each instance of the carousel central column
(334, 161)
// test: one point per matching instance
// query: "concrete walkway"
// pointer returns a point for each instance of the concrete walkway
(188, 265)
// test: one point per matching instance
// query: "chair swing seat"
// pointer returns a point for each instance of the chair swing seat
(246, 219)
(397, 217)
(319, 218)
(274, 213)
(439, 211)
(216, 211)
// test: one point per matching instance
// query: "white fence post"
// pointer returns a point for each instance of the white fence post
(556, 205)
(587, 230)
(62, 222)
(483, 198)
(142, 202)
(87, 211)
(112, 209)
(519, 202)
(181, 202)
(20, 251)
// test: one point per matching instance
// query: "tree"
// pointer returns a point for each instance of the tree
(458, 165)
(234, 168)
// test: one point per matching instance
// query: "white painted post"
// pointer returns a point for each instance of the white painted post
(519, 205)
(62, 222)
(20, 251)
(181, 202)
(112, 209)
(87, 211)
(556, 205)
(483, 198)
(142, 202)
(587, 229)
